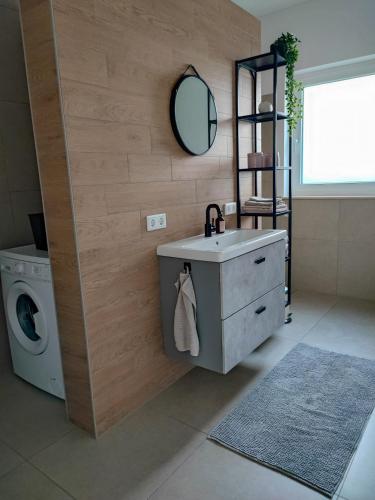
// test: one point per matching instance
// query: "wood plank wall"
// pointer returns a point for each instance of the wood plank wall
(118, 61)
(55, 186)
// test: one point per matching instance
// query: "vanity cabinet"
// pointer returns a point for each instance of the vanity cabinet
(249, 276)
(240, 303)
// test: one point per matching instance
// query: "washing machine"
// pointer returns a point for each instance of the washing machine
(31, 318)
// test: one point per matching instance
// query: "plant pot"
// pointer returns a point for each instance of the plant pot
(273, 47)
(277, 48)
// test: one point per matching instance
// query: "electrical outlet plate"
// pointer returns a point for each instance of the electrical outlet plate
(156, 221)
(230, 208)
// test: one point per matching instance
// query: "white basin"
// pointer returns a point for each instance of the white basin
(221, 247)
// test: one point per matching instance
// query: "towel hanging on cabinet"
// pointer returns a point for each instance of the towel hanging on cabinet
(185, 326)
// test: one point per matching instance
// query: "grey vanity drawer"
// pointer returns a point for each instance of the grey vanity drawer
(250, 276)
(248, 328)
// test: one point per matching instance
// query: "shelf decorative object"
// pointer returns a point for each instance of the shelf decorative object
(265, 107)
(287, 46)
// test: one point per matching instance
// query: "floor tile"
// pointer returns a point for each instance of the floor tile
(361, 312)
(216, 473)
(347, 328)
(128, 462)
(158, 450)
(307, 308)
(26, 483)
(8, 459)
(30, 419)
(267, 355)
(201, 398)
(359, 483)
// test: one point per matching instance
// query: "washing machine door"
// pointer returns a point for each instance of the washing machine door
(27, 318)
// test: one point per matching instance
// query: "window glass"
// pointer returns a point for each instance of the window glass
(338, 132)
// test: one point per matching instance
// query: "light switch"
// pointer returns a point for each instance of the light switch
(230, 208)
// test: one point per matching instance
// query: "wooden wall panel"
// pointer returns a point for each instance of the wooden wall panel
(55, 186)
(126, 164)
(118, 61)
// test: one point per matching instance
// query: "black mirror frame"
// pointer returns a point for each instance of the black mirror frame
(172, 114)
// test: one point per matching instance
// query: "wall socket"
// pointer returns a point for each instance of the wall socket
(230, 208)
(157, 221)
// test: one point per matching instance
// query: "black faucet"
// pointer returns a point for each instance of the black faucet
(208, 228)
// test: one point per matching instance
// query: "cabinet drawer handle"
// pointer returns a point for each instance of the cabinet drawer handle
(259, 260)
(261, 309)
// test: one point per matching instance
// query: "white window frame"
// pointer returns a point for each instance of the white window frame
(314, 76)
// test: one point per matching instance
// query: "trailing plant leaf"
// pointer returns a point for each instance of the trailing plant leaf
(287, 46)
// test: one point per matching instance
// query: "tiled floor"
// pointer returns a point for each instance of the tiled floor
(161, 451)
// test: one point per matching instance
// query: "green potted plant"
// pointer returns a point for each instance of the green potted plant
(287, 46)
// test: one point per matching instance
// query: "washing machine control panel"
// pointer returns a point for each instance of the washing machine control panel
(19, 268)
(23, 269)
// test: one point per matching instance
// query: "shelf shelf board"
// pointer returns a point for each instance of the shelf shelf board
(262, 62)
(261, 169)
(262, 117)
(264, 214)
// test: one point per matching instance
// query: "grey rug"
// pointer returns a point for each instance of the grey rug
(305, 417)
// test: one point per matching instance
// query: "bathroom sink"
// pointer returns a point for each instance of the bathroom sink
(221, 247)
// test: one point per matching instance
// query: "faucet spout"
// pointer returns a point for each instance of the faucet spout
(208, 228)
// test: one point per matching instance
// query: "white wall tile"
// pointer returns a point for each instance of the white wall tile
(11, 4)
(356, 269)
(18, 146)
(316, 219)
(357, 220)
(13, 85)
(3, 171)
(314, 265)
(23, 204)
(348, 224)
(6, 221)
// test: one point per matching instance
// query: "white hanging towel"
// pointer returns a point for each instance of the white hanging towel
(185, 326)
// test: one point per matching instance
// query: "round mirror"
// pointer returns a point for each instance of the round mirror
(193, 114)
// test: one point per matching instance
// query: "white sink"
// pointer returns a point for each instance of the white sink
(221, 247)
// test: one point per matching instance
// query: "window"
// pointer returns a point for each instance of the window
(335, 154)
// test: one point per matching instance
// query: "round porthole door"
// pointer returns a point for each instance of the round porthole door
(27, 318)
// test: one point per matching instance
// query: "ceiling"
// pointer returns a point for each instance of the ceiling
(260, 8)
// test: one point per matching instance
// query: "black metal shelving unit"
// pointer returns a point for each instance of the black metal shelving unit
(264, 62)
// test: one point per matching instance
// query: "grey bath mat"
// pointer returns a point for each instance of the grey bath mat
(305, 417)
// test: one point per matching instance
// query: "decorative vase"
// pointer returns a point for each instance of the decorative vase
(265, 107)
